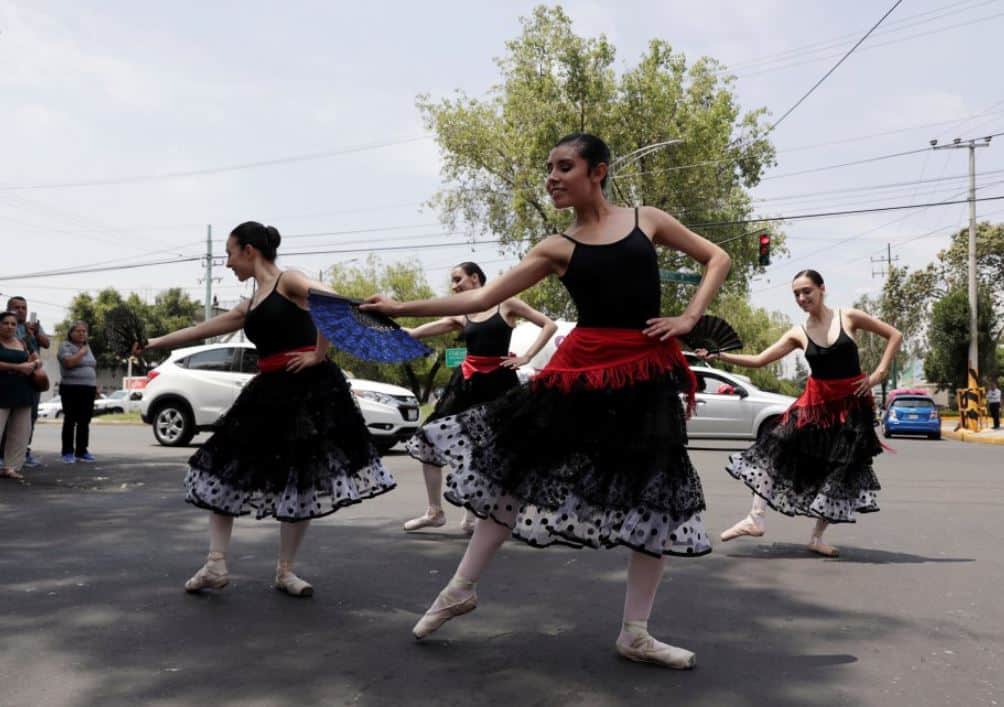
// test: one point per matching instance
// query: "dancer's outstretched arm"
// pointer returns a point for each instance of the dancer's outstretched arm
(779, 349)
(440, 326)
(225, 323)
(540, 262)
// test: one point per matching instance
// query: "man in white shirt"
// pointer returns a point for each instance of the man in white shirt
(994, 403)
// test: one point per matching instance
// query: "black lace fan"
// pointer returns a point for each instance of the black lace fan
(123, 329)
(714, 334)
(370, 336)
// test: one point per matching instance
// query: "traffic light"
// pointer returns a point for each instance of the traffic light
(764, 249)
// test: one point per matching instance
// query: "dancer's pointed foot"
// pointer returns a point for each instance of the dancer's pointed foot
(635, 643)
(457, 599)
(212, 575)
(747, 526)
(432, 518)
(817, 546)
(286, 581)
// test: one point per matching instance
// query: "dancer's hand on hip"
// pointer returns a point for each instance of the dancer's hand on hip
(304, 359)
(663, 328)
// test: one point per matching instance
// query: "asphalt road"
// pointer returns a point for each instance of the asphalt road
(92, 611)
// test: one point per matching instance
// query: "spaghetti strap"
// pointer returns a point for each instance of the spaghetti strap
(565, 235)
(276, 285)
(636, 217)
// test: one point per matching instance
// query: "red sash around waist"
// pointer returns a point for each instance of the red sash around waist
(614, 358)
(827, 402)
(277, 361)
(473, 363)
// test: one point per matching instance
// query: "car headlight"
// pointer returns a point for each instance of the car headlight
(381, 398)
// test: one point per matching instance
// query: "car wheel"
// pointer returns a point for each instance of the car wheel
(934, 435)
(116, 411)
(886, 433)
(173, 425)
(59, 414)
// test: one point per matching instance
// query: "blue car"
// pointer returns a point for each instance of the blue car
(912, 414)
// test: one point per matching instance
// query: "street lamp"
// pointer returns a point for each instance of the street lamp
(634, 156)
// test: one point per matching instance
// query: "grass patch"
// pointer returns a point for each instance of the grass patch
(118, 418)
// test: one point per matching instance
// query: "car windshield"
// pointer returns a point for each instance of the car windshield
(118, 394)
(913, 403)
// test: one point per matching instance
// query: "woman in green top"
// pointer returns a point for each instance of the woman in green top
(16, 395)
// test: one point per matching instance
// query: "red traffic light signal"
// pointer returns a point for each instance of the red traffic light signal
(764, 249)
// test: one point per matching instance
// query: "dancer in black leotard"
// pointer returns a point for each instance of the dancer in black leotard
(488, 371)
(817, 461)
(294, 444)
(592, 452)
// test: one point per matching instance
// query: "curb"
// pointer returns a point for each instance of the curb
(972, 437)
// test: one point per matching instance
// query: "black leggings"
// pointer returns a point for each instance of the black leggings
(78, 406)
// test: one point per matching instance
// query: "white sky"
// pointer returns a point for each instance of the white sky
(102, 91)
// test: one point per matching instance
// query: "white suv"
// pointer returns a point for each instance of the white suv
(195, 386)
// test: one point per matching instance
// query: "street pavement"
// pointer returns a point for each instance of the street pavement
(92, 610)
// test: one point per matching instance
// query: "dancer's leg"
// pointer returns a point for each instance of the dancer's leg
(634, 641)
(816, 543)
(460, 595)
(290, 538)
(433, 516)
(213, 574)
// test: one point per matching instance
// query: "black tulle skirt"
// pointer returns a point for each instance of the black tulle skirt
(821, 471)
(585, 467)
(293, 446)
(461, 394)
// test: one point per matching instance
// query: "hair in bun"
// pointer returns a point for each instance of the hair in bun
(264, 239)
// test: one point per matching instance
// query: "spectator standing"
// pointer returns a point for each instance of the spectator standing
(31, 334)
(16, 395)
(77, 389)
(994, 403)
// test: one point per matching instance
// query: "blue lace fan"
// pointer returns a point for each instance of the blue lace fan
(366, 335)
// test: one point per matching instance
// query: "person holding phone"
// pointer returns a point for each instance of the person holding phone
(31, 333)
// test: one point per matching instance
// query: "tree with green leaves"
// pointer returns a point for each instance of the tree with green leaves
(403, 281)
(555, 82)
(172, 309)
(946, 363)
(758, 329)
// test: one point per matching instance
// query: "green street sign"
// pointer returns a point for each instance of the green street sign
(689, 278)
(455, 356)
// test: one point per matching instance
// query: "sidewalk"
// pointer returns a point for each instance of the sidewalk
(985, 436)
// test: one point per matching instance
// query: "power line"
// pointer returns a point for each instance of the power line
(834, 67)
(135, 179)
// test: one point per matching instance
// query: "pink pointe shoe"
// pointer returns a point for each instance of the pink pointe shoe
(212, 575)
(636, 644)
(426, 520)
(817, 546)
(449, 604)
(289, 583)
(747, 526)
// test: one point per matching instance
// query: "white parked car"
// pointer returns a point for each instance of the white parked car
(51, 408)
(119, 401)
(195, 386)
(729, 406)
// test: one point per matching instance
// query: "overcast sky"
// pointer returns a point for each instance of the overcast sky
(111, 91)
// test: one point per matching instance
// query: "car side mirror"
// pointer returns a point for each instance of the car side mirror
(742, 392)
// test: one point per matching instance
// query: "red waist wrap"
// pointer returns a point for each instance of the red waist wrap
(614, 358)
(277, 361)
(473, 363)
(827, 402)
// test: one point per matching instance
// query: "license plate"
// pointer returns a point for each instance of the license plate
(913, 417)
(411, 414)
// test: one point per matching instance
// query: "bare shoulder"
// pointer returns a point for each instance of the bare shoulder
(796, 335)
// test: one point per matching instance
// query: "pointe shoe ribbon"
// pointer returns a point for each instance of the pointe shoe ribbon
(645, 649)
(436, 617)
(212, 575)
(286, 581)
(747, 526)
(436, 520)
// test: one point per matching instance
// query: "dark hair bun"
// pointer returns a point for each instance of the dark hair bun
(272, 238)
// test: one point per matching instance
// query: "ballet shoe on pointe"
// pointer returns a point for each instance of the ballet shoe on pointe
(467, 523)
(451, 602)
(212, 575)
(286, 581)
(430, 519)
(817, 546)
(747, 526)
(635, 643)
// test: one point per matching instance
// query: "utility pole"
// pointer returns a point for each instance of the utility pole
(971, 145)
(886, 269)
(209, 273)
